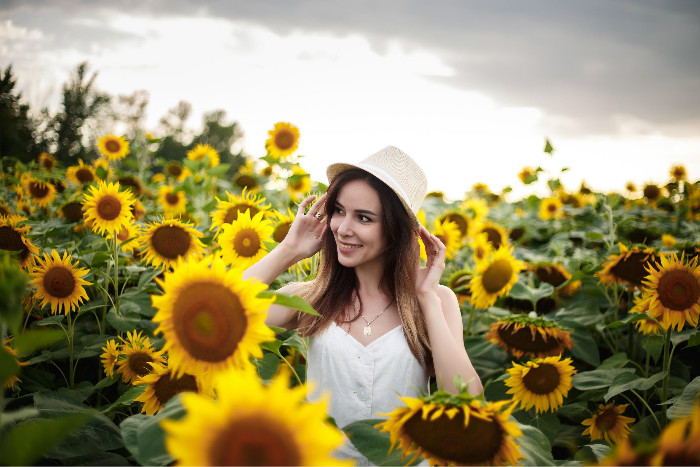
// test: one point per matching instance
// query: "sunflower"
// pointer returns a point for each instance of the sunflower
(652, 192)
(59, 282)
(137, 355)
(158, 178)
(137, 210)
(253, 424)
(11, 380)
(40, 193)
(168, 241)
(162, 385)
(283, 222)
(80, 174)
(14, 238)
(47, 161)
(228, 211)
(245, 177)
(132, 183)
(459, 283)
(128, 237)
(463, 221)
(173, 202)
(628, 267)
(550, 208)
(678, 443)
(645, 326)
(72, 211)
(454, 431)
(107, 207)
(243, 242)
(110, 356)
(299, 183)
(631, 188)
(482, 247)
(555, 275)
(201, 151)
(494, 277)
(674, 286)
(283, 140)
(496, 235)
(476, 208)
(210, 317)
(449, 235)
(114, 148)
(609, 423)
(4, 210)
(678, 173)
(177, 171)
(102, 168)
(525, 335)
(542, 383)
(626, 454)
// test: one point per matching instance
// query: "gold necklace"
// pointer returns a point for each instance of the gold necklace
(367, 331)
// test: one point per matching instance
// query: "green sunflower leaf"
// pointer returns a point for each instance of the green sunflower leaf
(291, 301)
(374, 444)
(630, 381)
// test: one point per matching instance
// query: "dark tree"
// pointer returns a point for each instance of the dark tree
(16, 126)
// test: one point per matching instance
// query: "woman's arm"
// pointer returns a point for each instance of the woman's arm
(302, 241)
(444, 321)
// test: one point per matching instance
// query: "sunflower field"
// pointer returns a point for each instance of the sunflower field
(130, 337)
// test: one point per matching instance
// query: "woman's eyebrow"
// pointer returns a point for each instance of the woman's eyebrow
(360, 211)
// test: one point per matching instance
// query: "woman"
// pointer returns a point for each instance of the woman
(386, 324)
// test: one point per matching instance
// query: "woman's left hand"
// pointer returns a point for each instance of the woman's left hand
(428, 277)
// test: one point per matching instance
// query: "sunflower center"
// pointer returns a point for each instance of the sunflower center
(281, 232)
(551, 207)
(678, 290)
(172, 198)
(528, 340)
(174, 170)
(209, 321)
(73, 211)
(480, 252)
(607, 420)
(113, 145)
(632, 267)
(448, 438)
(84, 175)
(232, 213)
(109, 207)
(139, 363)
(542, 380)
(284, 139)
(461, 222)
(551, 275)
(497, 275)
(255, 440)
(11, 240)
(123, 235)
(167, 387)
(171, 241)
(247, 243)
(59, 282)
(47, 163)
(38, 190)
(493, 236)
(652, 192)
(246, 181)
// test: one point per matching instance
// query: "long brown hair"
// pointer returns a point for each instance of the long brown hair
(331, 292)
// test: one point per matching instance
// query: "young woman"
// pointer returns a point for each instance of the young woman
(386, 324)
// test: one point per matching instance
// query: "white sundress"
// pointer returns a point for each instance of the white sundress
(362, 381)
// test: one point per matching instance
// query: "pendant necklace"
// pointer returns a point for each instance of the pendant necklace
(368, 328)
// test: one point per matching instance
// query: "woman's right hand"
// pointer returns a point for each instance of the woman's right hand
(304, 236)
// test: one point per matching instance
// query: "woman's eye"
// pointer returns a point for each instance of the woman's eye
(365, 219)
(338, 210)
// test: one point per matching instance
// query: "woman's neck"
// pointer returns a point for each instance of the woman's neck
(369, 281)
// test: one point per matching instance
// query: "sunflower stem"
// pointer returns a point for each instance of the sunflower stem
(667, 368)
(115, 251)
(293, 370)
(69, 333)
(646, 404)
(469, 323)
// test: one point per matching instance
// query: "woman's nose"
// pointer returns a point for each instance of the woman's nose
(345, 227)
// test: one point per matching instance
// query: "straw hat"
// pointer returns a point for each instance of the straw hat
(395, 168)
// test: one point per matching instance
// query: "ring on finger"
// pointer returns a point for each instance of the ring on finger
(318, 215)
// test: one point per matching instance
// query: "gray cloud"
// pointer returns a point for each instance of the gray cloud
(584, 61)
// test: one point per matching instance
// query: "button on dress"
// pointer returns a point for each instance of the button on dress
(362, 381)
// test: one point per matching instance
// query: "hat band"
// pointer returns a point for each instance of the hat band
(396, 184)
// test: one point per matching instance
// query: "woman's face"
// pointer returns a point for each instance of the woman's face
(356, 223)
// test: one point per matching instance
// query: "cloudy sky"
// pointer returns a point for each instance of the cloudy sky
(470, 89)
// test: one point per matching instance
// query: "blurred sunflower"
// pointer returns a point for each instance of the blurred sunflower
(449, 235)
(128, 237)
(645, 326)
(173, 202)
(482, 247)
(72, 211)
(494, 277)
(631, 188)
(243, 241)
(14, 238)
(137, 355)
(674, 287)
(253, 424)
(678, 173)
(59, 282)
(555, 275)
(550, 208)
(162, 385)
(245, 176)
(652, 192)
(609, 423)
(158, 178)
(668, 240)
(39, 192)
(176, 170)
(165, 242)
(459, 283)
(11, 380)
(628, 267)
(678, 443)
(542, 383)
(210, 317)
(228, 211)
(47, 161)
(137, 210)
(102, 169)
(463, 221)
(114, 148)
(282, 224)
(477, 208)
(527, 175)
(133, 184)
(80, 174)
(454, 432)
(107, 207)
(625, 454)
(299, 183)
(4, 210)
(525, 335)
(201, 151)
(283, 140)
(110, 356)
(496, 235)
